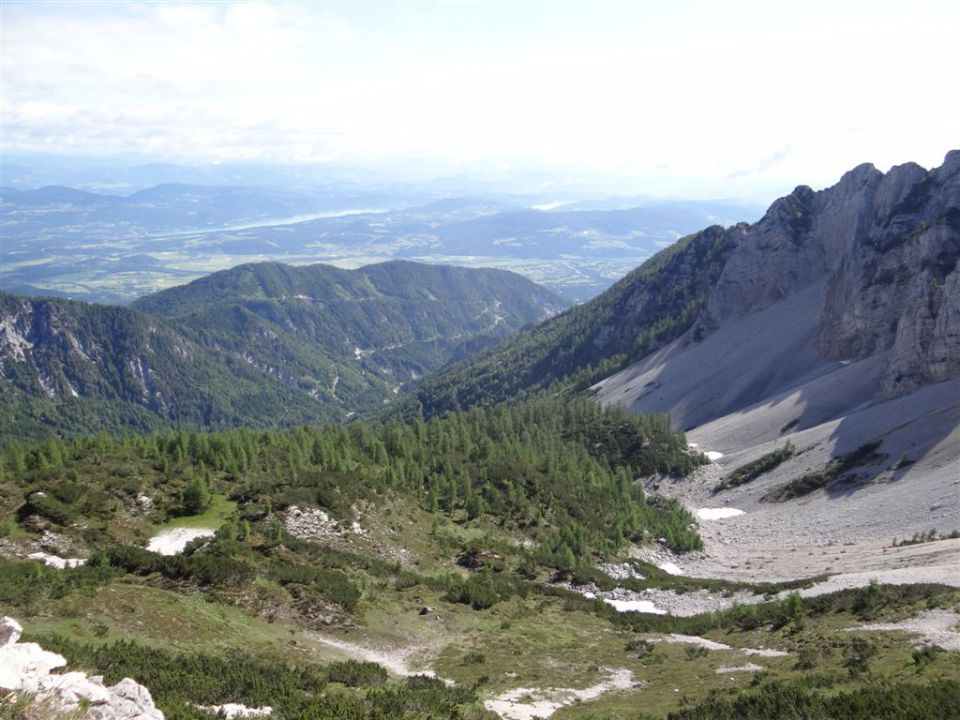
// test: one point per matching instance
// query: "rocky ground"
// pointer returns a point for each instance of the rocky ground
(27, 669)
(817, 535)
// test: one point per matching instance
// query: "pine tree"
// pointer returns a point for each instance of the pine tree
(196, 498)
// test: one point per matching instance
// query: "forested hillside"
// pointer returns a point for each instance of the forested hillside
(652, 305)
(261, 345)
(71, 367)
(562, 472)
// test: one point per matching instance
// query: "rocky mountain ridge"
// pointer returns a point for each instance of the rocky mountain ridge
(864, 269)
(876, 255)
(886, 246)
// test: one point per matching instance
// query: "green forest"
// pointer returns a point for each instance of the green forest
(470, 533)
(260, 345)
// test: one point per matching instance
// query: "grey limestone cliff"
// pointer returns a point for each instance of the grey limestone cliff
(863, 272)
(884, 247)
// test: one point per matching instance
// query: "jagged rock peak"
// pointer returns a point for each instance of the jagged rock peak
(861, 175)
(951, 164)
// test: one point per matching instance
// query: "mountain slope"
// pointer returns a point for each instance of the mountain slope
(352, 338)
(73, 367)
(865, 269)
(653, 304)
(876, 256)
(260, 345)
(833, 323)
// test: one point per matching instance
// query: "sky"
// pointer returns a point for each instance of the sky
(691, 99)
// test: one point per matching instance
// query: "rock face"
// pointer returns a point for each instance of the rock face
(885, 249)
(866, 270)
(28, 668)
(833, 323)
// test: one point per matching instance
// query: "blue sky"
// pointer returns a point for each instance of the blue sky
(671, 98)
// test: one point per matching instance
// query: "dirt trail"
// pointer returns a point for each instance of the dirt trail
(934, 627)
(399, 661)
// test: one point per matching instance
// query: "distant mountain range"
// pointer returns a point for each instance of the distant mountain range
(262, 345)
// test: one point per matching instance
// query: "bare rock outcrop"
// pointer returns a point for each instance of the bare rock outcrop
(884, 246)
(26, 668)
(866, 269)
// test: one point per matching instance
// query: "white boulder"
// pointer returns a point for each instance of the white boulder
(29, 669)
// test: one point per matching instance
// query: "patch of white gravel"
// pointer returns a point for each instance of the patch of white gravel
(56, 561)
(713, 455)
(397, 662)
(764, 652)
(530, 703)
(172, 542)
(933, 627)
(721, 513)
(749, 667)
(677, 639)
(670, 568)
(237, 710)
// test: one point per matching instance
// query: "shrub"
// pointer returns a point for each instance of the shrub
(857, 655)
(924, 655)
(866, 454)
(356, 674)
(474, 658)
(196, 497)
(751, 471)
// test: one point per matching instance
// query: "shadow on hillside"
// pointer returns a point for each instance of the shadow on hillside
(906, 429)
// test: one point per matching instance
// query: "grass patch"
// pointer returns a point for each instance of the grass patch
(220, 510)
(931, 535)
(158, 617)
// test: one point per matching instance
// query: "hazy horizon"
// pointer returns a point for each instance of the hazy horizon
(671, 100)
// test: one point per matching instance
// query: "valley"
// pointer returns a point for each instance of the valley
(266, 345)
(380, 577)
(726, 484)
(399, 360)
(110, 248)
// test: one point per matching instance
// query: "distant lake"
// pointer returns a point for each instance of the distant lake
(270, 222)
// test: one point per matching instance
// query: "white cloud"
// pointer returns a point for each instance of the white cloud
(626, 90)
